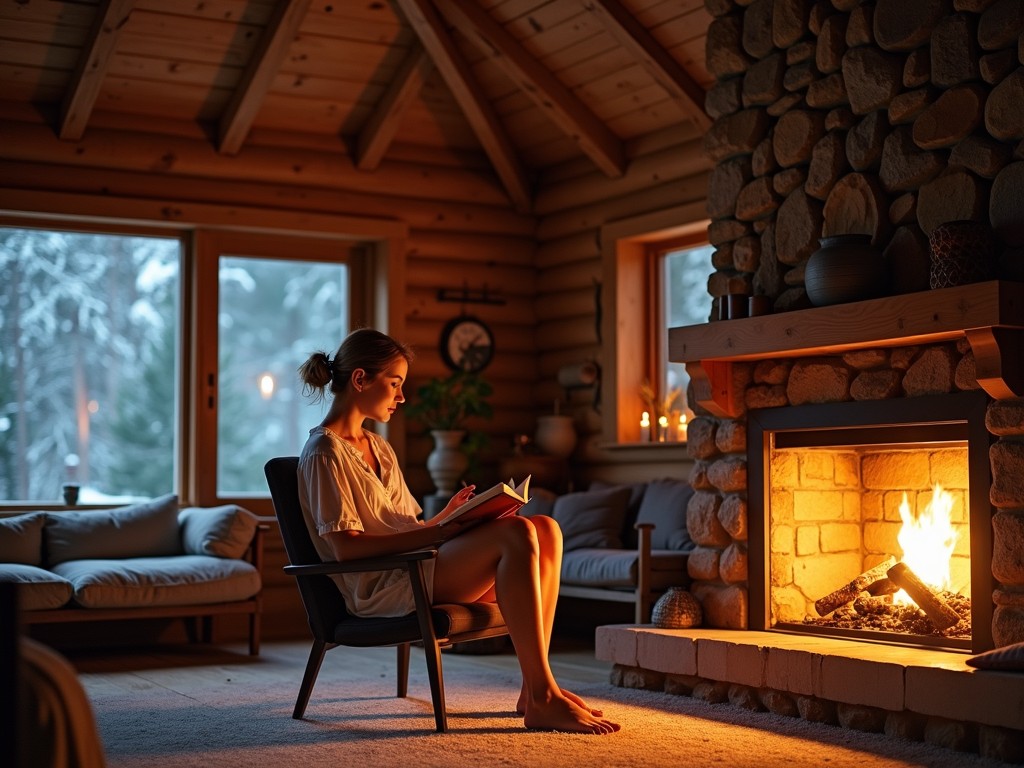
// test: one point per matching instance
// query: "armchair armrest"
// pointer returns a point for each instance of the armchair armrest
(402, 560)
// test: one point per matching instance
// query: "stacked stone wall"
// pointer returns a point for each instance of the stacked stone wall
(885, 118)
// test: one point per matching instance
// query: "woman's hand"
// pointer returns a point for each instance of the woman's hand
(461, 497)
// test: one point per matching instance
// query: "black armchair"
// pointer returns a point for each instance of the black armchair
(332, 625)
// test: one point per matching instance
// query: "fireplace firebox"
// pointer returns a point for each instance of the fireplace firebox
(872, 521)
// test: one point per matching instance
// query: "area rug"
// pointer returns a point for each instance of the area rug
(166, 719)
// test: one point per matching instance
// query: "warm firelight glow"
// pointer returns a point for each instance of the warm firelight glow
(928, 538)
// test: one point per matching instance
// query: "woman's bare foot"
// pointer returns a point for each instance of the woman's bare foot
(561, 714)
(521, 704)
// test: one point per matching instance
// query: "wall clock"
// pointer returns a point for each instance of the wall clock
(467, 344)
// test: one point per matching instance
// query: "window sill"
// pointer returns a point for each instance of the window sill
(643, 446)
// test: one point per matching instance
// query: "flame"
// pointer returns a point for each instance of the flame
(927, 539)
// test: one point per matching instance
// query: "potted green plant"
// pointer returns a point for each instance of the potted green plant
(443, 405)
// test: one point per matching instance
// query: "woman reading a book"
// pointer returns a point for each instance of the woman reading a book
(354, 495)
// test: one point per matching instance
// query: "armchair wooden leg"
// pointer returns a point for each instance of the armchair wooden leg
(254, 634)
(316, 658)
(403, 669)
(431, 649)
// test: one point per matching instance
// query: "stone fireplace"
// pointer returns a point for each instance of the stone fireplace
(888, 119)
(808, 415)
(837, 491)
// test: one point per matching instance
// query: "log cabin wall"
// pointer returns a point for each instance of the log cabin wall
(666, 170)
(257, 116)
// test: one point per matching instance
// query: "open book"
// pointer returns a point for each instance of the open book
(499, 500)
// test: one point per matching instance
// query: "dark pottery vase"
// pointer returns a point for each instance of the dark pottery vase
(962, 252)
(845, 268)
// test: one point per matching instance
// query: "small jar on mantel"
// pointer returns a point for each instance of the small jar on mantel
(845, 268)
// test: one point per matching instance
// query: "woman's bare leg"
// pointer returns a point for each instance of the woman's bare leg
(506, 554)
(549, 541)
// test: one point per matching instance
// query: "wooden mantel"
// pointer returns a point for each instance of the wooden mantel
(989, 314)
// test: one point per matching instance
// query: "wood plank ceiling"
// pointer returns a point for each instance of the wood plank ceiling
(521, 85)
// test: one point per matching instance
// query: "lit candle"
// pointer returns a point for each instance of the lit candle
(645, 427)
(681, 431)
(662, 428)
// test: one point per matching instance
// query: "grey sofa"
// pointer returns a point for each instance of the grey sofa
(147, 560)
(623, 543)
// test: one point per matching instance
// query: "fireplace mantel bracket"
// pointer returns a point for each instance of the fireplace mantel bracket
(999, 360)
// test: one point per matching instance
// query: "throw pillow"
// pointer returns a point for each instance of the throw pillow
(636, 495)
(592, 518)
(664, 504)
(148, 529)
(1008, 658)
(224, 531)
(21, 539)
(542, 502)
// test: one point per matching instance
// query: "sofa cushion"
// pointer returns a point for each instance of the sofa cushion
(151, 581)
(664, 504)
(21, 539)
(591, 518)
(224, 531)
(148, 529)
(38, 589)
(593, 567)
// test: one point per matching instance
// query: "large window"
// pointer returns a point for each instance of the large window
(272, 314)
(142, 363)
(88, 364)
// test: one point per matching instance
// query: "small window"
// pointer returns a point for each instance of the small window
(683, 276)
(655, 278)
(89, 328)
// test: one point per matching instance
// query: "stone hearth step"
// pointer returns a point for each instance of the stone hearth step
(930, 682)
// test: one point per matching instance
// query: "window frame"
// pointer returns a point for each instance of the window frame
(629, 250)
(377, 282)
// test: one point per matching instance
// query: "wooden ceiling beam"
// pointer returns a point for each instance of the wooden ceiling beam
(379, 131)
(111, 16)
(245, 103)
(428, 26)
(536, 81)
(652, 56)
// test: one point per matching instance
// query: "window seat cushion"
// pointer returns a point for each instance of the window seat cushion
(21, 539)
(147, 529)
(38, 589)
(155, 581)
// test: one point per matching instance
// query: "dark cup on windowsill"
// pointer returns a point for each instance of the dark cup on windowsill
(70, 493)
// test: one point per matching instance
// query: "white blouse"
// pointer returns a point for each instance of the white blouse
(338, 491)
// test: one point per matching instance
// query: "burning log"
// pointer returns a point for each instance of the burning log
(941, 615)
(850, 592)
(883, 587)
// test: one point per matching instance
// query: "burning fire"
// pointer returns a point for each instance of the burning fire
(928, 538)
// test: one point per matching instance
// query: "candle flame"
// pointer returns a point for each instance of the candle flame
(927, 539)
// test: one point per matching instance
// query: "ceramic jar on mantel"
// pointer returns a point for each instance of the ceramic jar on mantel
(845, 268)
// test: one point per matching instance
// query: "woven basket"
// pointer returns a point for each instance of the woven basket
(962, 252)
(676, 609)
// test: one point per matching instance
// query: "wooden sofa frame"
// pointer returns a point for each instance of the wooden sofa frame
(200, 628)
(642, 596)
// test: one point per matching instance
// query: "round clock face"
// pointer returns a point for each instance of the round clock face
(467, 344)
